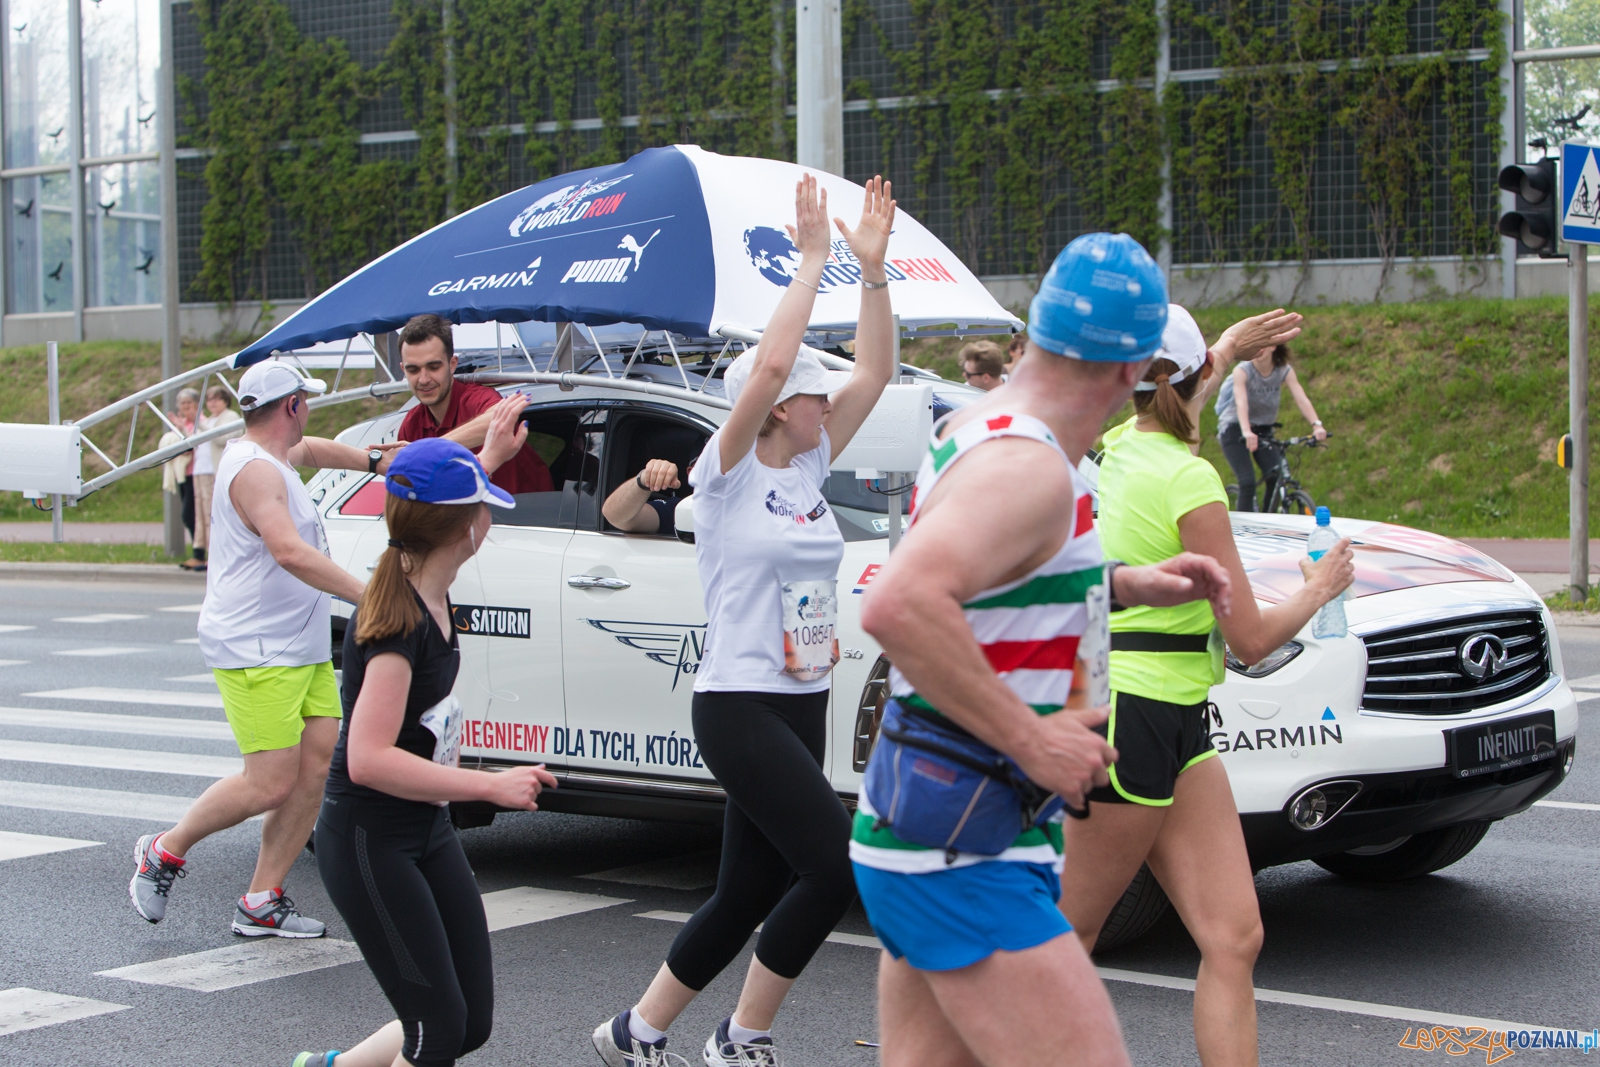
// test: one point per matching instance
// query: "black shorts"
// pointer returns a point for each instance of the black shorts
(1155, 742)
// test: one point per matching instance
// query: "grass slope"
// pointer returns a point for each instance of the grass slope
(1443, 415)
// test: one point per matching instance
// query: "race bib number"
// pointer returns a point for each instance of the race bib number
(810, 629)
(443, 721)
(1091, 670)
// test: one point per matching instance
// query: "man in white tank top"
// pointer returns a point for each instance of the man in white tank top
(1006, 983)
(264, 631)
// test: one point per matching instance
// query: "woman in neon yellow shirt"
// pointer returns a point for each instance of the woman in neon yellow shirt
(1169, 802)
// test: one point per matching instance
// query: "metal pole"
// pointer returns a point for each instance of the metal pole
(52, 373)
(447, 27)
(1511, 146)
(171, 328)
(1578, 415)
(819, 86)
(75, 146)
(1164, 197)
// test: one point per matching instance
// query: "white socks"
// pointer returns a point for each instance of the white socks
(642, 1031)
(255, 900)
(740, 1036)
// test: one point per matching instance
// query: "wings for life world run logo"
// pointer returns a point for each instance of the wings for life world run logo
(776, 259)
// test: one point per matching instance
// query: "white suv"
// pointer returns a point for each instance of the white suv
(1384, 755)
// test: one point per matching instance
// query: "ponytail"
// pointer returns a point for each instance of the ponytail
(388, 606)
(1169, 402)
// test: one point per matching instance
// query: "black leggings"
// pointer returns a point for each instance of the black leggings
(396, 872)
(785, 837)
(186, 504)
(1244, 463)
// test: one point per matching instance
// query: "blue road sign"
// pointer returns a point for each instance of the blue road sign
(1580, 193)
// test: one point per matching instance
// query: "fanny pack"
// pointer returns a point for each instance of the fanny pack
(936, 785)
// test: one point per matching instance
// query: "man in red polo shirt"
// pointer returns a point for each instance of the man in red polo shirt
(457, 410)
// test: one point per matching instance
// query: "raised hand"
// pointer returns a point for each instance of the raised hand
(660, 475)
(810, 231)
(507, 432)
(870, 239)
(1267, 330)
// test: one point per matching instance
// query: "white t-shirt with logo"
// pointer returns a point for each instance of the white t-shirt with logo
(758, 528)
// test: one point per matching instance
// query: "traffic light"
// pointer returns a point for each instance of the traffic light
(1564, 452)
(1533, 224)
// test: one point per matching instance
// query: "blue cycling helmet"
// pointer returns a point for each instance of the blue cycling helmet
(1103, 300)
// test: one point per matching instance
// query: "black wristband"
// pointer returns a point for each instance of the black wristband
(638, 479)
(1111, 586)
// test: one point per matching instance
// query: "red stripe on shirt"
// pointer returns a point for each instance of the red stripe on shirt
(1054, 654)
(1085, 520)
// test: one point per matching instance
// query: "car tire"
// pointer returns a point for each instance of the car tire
(1410, 857)
(1141, 907)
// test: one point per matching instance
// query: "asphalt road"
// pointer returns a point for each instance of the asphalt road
(1509, 933)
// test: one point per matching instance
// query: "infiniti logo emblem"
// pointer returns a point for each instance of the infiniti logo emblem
(1482, 656)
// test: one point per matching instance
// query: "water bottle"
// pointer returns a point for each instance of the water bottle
(1330, 620)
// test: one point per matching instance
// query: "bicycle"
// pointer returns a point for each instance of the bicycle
(1288, 497)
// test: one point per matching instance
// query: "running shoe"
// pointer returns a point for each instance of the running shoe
(152, 879)
(278, 917)
(619, 1048)
(722, 1051)
(315, 1059)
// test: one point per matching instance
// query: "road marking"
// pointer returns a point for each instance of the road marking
(14, 846)
(11, 629)
(185, 607)
(104, 616)
(694, 871)
(1265, 996)
(99, 650)
(187, 641)
(1591, 681)
(121, 759)
(12, 662)
(28, 1009)
(39, 796)
(1580, 696)
(207, 678)
(153, 725)
(257, 960)
(506, 908)
(1569, 804)
(112, 695)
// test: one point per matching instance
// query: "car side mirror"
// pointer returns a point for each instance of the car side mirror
(683, 519)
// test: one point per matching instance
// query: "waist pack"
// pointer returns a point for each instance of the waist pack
(936, 785)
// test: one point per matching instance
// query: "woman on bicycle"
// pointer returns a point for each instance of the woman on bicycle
(769, 551)
(1168, 802)
(1247, 407)
(390, 859)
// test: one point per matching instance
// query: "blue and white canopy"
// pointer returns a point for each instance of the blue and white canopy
(675, 239)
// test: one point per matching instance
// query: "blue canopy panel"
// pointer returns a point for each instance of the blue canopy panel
(625, 243)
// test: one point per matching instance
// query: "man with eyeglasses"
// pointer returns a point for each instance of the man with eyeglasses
(983, 365)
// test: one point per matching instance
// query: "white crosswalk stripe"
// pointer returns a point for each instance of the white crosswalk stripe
(506, 908)
(98, 650)
(40, 796)
(12, 662)
(152, 725)
(16, 846)
(121, 759)
(11, 629)
(113, 695)
(207, 678)
(28, 1009)
(190, 608)
(104, 616)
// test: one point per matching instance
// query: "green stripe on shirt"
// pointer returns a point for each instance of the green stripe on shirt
(866, 831)
(1069, 588)
(913, 700)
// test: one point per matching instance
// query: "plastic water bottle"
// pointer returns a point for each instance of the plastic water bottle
(1330, 620)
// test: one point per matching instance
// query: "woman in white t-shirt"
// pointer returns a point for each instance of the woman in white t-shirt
(769, 553)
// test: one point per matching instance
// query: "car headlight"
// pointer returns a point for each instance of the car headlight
(1275, 659)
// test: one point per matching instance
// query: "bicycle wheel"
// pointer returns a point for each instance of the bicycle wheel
(1298, 502)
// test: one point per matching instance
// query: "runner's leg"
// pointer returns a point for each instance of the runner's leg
(268, 780)
(1200, 859)
(911, 1026)
(1102, 855)
(286, 828)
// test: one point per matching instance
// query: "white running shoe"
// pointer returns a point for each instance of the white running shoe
(619, 1048)
(723, 1051)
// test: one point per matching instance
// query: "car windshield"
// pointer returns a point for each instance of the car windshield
(862, 512)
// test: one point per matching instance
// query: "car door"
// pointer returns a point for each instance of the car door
(633, 618)
(509, 597)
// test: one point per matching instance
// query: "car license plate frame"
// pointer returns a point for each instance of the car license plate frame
(1499, 745)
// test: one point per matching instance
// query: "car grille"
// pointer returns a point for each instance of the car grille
(1418, 669)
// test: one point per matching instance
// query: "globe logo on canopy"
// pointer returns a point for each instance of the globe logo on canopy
(773, 254)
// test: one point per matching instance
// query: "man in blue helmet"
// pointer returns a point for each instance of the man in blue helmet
(1000, 676)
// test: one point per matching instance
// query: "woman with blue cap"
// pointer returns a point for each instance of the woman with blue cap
(1168, 802)
(388, 855)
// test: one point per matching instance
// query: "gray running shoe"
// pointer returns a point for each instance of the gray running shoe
(723, 1051)
(278, 917)
(152, 879)
(619, 1048)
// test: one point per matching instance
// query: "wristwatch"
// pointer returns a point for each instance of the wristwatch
(1111, 586)
(372, 460)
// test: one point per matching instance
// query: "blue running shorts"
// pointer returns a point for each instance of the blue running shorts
(946, 920)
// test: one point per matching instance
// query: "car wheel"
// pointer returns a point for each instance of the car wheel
(1409, 857)
(1142, 905)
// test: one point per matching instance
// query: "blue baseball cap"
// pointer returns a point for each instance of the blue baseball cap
(1103, 300)
(443, 472)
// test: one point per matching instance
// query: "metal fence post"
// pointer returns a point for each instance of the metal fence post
(819, 86)
(171, 329)
(52, 374)
(1578, 415)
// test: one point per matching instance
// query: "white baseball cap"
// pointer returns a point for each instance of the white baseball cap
(270, 380)
(808, 376)
(1183, 343)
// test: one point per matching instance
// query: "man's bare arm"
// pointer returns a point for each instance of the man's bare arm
(324, 454)
(262, 501)
(472, 432)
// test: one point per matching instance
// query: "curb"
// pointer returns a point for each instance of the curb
(99, 571)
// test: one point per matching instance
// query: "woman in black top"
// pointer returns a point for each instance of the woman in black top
(387, 853)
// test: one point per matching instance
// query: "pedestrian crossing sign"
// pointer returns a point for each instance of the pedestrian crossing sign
(1580, 193)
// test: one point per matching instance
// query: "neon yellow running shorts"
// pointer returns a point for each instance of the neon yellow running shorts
(267, 706)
